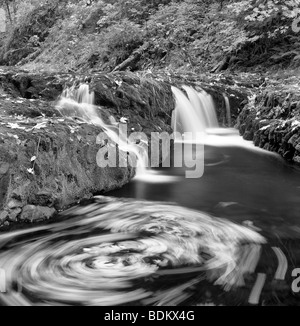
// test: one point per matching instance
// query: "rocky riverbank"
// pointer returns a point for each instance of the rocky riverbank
(272, 120)
(48, 161)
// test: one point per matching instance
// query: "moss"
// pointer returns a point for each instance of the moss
(65, 169)
(272, 125)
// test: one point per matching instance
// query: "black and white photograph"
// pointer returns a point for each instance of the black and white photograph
(150, 156)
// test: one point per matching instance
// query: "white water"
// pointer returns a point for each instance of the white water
(185, 117)
(199, 108)
(79, 103)
(197, 113)
(118, 263)
(208, 106)
(194, 113)
(228, 109)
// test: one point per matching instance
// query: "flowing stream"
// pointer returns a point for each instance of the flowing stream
(231, 237)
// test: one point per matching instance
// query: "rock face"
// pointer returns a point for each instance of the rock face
(123, 93)
(48, 160)
(272, 121)
(220, 87)
(50, 163)
(33, 213)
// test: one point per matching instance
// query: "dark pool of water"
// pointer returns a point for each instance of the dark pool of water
(246, 186)
(63, 263)
(240, 184)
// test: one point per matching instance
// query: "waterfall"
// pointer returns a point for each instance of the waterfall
(208, 107)
(79, 103)
(186, 117)
(228, 109)
(195, 113)
(84, 95)
(198, 107)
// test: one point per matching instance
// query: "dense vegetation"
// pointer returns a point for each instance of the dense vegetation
(196, 35)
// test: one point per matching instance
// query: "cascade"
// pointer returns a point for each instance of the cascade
(79, 103)
(193, 113)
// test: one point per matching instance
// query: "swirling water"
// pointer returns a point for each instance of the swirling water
(230, 237)
(238, 221)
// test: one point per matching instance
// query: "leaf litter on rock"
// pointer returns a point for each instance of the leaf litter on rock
(11, 135)
(15, 126)
(31, 171)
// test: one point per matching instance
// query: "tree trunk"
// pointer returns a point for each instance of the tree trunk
(15, 11)
(8, 11)
(223, 65)
(133, 58)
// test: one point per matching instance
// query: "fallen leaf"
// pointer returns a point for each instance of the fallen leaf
(41, 125)
(124, 120)
(31, 171)
(15, 126)
(72, 129)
